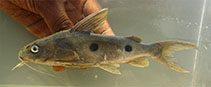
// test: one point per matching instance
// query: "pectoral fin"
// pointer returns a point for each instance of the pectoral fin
(112, 68)
(58, 68)
(139, 62)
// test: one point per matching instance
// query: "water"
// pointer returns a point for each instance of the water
(151, 20)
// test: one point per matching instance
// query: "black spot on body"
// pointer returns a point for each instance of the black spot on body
(128, 48)
(93, 47)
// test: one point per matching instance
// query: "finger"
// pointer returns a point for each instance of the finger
(52, 11)
(74, 10)
(92, 6)
(33, 23)
(108, 31)
(55, 15)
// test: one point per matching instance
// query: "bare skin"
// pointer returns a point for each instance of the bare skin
(81, 48)
(45, 17)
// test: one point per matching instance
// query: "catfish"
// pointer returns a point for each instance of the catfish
(80, 47)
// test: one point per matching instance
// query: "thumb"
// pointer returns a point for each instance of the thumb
(54, 14)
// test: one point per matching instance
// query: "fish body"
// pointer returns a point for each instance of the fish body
(82, 48)
(79, 47)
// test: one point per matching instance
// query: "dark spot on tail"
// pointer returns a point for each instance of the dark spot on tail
(93, 47)
(128, 48)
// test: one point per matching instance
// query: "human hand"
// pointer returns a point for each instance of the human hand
(45, 17)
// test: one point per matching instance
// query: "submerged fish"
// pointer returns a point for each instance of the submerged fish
(79, 47)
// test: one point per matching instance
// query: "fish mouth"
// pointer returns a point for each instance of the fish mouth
(39, 61)
(23, 60)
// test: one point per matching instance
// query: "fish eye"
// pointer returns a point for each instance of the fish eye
(128, 48)
(93, 47)
(34, 49)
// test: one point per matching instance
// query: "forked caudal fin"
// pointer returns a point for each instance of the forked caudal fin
(169, 47)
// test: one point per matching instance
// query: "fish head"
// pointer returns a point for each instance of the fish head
(37, 51)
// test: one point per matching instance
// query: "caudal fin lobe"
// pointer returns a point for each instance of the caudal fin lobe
(169, 47)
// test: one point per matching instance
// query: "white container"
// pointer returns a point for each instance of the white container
(151, 20)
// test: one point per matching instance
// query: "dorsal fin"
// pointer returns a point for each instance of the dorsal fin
(91, 22)
(134, 38)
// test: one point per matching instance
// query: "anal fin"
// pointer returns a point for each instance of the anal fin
(139, 62)
(112, 68)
